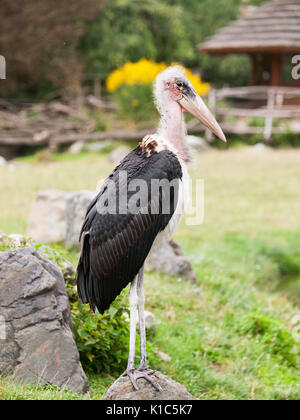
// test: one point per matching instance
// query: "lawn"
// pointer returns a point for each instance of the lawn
(236, 339)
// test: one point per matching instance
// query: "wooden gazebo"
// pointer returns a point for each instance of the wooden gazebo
(270, 35)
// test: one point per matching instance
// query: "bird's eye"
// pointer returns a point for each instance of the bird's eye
(180, 84)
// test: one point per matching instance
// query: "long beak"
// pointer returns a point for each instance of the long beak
(198, 109)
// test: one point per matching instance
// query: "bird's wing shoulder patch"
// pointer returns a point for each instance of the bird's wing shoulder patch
(154, 143)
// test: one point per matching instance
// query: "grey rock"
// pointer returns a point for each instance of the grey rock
(2, 161)
(8, 357)
(47, 220)
(122, 389)
(37, 343)
(76, 147)
(98, 146)
(150, 321)
(118, 154)
(258, 148)
(163, 356)
(76, 208)
(3, 238)
(197, 291)
(168, 258)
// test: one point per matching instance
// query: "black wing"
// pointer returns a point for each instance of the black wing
(115, 246)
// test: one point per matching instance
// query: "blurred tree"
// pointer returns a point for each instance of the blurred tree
(168, 30)
(131, 29)
(49, 44)
(39, 40)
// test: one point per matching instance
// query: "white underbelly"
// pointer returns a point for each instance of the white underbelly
(183, 197)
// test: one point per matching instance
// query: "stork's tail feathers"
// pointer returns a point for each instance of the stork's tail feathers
(84, 275)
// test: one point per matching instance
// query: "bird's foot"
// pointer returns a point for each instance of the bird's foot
(135, 374)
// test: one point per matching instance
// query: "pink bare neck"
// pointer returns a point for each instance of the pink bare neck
(172, 128)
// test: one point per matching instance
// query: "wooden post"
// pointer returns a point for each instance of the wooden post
(276, 75)
(97, 87)
(254, 80)
(269, 118)
(212, 99)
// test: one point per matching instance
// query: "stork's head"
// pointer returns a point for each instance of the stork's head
(173, 87)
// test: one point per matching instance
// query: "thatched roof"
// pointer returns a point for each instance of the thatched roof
(273, 27)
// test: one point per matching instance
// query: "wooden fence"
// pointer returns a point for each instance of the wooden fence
(272, 106)
(246, 103)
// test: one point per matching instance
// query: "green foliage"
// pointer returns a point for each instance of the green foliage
(287, 138)
(100, 123)
(288, 261)
(102, 340)
(131, 29)
(168, 31)
(257, 122)
(12, 390)
(126, 30)
(135, 102)
(277, 140)
(272, 334)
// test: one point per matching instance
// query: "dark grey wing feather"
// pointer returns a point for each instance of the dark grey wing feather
(115, 246)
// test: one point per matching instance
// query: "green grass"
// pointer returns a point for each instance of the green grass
(236, 339)
(10, 389)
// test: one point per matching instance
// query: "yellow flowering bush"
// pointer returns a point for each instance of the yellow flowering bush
(142, 72)
(132, 86)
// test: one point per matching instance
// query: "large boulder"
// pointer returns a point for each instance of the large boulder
(47, 220)
(37, 343)
(168, 258)
(122, 389)
(76, 208)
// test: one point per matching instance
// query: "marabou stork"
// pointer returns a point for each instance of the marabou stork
(116, 244)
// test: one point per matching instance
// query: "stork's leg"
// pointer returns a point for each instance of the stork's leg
(141, 307)
(136, 298)
(133, 299)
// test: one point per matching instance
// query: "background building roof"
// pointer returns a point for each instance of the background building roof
(275, 26)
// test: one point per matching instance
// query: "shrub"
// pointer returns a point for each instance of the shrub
(102, 340)
(135, 102)
(131, 86)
